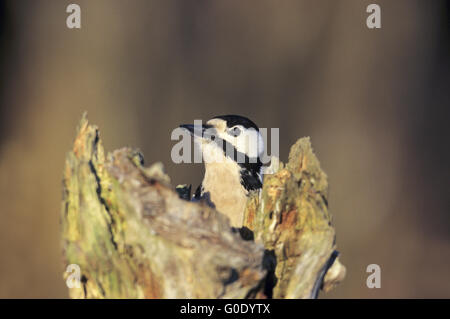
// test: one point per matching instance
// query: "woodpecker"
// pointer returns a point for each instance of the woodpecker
(231, 147)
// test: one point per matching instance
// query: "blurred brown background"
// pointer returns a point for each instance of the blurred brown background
(375, 103)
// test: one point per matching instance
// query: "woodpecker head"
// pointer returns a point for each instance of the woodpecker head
(234, 140)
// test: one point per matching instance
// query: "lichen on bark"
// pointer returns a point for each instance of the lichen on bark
(132, 235)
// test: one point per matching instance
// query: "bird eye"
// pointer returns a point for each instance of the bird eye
(235, 131)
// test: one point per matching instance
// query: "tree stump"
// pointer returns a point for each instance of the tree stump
(133, 236)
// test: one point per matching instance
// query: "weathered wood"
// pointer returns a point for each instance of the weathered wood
(292, 221)
(134, 237)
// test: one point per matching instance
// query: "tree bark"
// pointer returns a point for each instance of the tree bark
(133, 236)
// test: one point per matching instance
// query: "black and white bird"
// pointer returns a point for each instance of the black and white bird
(231, 147)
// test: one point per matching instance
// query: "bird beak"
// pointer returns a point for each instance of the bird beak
(198, 130)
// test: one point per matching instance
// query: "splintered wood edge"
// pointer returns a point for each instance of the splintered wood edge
(121, 208)
(116, 187)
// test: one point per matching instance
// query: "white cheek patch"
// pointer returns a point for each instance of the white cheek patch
(250, 142)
